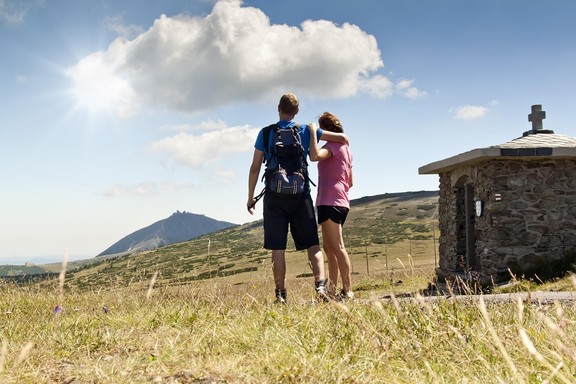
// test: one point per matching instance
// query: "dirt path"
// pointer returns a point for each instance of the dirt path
(534, 297)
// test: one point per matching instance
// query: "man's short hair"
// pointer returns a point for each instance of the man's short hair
(288, 104)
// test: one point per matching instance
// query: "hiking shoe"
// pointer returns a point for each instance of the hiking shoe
(346, 295)
(280, 296)
(321, 291)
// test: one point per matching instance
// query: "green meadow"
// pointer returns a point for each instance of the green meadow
(202, 311)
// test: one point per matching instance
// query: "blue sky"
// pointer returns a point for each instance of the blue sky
(115, 114)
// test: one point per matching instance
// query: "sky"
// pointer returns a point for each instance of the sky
(114, 114)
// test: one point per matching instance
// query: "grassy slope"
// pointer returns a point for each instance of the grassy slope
(15, 270)
(384, 234)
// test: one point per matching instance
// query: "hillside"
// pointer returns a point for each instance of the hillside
(384, 234)
(180, 226)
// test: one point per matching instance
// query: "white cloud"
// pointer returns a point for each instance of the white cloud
(198, 150)
(22, 78)
(211, 125)
(208, 125)
(404, 87)
(377, 86)
(15, 11)
(223, 176)
(116, 25)
(470, 112)
(234, 54)
(146, 188)
(176, 127)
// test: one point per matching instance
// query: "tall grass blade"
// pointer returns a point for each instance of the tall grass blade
(482, 306)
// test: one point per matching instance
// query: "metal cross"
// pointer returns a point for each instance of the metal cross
(536, 117)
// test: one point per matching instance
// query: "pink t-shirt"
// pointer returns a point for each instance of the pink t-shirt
(334, 176)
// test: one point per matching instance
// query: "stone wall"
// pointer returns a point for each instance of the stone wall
(528, 224)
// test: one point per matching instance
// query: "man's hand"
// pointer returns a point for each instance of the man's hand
(250, 205)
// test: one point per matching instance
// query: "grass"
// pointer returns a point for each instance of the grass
(186, 313)
(217, 332)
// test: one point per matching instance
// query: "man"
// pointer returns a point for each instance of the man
(293, 211)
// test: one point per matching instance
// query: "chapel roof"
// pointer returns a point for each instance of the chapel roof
(552, 140)
(535, 144)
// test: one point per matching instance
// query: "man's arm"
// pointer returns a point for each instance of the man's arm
(253, 178)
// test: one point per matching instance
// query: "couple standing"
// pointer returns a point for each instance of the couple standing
(296, 212)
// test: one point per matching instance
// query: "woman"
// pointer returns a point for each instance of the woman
(332, 202)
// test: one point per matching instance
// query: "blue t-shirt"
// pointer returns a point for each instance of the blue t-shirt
(304, 136)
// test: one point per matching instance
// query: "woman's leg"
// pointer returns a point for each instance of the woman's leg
(332, 267)
(332, 238)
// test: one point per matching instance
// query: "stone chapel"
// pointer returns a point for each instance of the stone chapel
(508, 209)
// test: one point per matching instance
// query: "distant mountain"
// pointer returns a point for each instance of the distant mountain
(181, 226)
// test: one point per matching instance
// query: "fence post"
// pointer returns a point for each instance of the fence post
(386, 253)
(367, 267)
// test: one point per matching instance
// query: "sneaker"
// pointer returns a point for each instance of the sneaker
(280, 296)
(346, 295)
(321, 291)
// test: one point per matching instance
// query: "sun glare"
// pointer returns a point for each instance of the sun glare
(98, 89)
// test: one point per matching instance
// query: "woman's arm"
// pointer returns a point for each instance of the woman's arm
(333, 136)
(316, 153)
(351, 183)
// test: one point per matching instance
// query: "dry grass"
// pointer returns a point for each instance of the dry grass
(217, 332)
(164, 317)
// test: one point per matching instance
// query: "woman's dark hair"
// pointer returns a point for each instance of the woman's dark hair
(330, 122)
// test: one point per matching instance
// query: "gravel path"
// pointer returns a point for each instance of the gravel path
(535, 297)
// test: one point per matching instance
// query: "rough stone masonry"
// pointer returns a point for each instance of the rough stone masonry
(509, 208)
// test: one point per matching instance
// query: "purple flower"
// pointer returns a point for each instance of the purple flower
(105, 309)
(58, 309)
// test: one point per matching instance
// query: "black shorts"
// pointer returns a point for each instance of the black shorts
(294, 212)
(336, 214)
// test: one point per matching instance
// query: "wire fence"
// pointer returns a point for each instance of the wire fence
(408, 254)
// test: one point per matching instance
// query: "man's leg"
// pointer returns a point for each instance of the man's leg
(279, 271)
(275, 233)
(279, 268)
(316, 259)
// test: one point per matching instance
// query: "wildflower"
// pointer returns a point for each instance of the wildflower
(58, 310)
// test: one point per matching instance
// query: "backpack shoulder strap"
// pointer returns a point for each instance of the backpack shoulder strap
(296, 132)
(266, 138)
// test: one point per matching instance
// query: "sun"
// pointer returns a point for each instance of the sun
(99, 89)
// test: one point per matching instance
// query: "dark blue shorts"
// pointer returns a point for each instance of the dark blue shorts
(289, 212)
(336, 214)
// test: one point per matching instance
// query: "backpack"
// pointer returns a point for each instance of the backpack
(286, 168)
